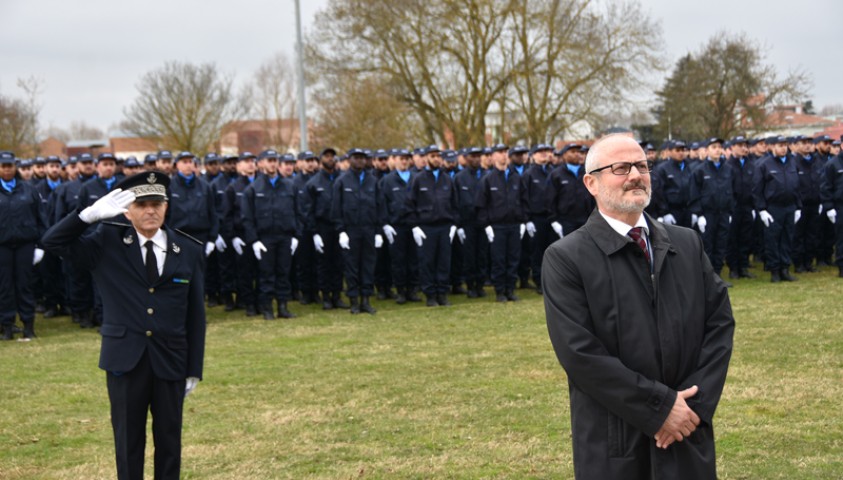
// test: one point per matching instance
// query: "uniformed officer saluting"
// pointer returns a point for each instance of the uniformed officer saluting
(153, 332)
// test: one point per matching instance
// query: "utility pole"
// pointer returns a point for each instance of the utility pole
(300, 71)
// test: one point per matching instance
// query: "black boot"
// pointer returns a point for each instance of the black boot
(413, 295)
(786, 276)
(337, 301)
(28, 330)
(431, 301)
(457, 290)
(283, 312)
(51, 312)
(86, 319)
(228, 298)
(251, 311)
(266, 311)
(442, 300)
(775, 277)
(327, 304)
(213, 301)
(511, 296)
(744, 273)
(480, 291)
(8, 332)
(841, 272)
(401, 298)
(367, 307)
(355, 306)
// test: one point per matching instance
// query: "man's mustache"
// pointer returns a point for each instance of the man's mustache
(635, 184)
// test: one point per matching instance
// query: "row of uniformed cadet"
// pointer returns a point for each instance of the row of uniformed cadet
(432, 220)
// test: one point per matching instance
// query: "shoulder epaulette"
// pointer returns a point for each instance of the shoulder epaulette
(189, 237)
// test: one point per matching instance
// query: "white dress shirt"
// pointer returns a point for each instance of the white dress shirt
(159, 247)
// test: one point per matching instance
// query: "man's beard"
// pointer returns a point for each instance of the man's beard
(615, 201)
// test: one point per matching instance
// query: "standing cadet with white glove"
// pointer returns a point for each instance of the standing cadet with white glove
(832, 202)
(151, 279)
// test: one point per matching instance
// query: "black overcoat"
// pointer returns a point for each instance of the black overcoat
(629, 340)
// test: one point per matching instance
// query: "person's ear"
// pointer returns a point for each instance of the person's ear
(590, 183)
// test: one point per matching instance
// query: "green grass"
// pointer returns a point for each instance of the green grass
(466, 392)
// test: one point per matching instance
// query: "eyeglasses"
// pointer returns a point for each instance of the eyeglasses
(644, 167)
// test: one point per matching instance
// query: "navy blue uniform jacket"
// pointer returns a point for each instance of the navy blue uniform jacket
(166, 319)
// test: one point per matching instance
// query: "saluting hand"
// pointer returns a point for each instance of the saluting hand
(115, 203)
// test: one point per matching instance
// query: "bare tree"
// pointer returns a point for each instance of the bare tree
(184, 106)
(273, 98)
(725, 89)
(19, 118)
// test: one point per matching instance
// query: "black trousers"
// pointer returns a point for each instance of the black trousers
(80, 289)
(435, 260)
(681, 213)
(506, 256)
(247, 277)
(838, 239)
(827, 238)
(305, 261)
(16, 297)
(524, 258)
(213, 280)
(475, 258)
(132, 395)
(741, 233)
(806, 236)
(778, 237)
(227, 260)
(359, 261)
(54, 286)
(716, 238)
(457, 275)
(383, 266)
(274, 267)
(544, 237)
(403, 255)
(329, 263)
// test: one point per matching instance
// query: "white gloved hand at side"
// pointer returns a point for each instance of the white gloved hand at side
(37, 256)
(209, 248)
(220, 244)
(490, 233)
(116, 202)
(701, 223)
(669, 219)
(345, 242)
(766, 218)
(557, 227)
(390, 233)
(832, 215)
(378, 240)
(531, 229)
(294, 244)
(451, 233)
(418, 235)
(237, 243)
(796, 216)
(318, 244)
(258, 247)
(461, 235)
(190, 384)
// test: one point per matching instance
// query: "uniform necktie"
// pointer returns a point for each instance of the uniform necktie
(637, 234)
(151, 263)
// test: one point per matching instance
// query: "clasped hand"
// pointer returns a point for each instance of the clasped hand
(681, 422)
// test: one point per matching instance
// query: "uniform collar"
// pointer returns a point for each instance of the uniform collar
(159, 239)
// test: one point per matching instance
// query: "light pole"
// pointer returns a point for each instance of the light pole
(300, 71)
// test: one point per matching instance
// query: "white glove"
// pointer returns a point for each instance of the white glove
(38, 256)
(694, 219)
(390, 233)
(238, 245)
(701, 222)
(190, 384)
(113, 204)
(820, 210)
(258, 247)
(378, 241)
(669, 219)
(345, 242)
(490, 233)
(209, 248)
(796, 216)
(294, 244)
(531, 229)
(220, 244)
(318, 244)
(832, 215)
(730, 219)
(451, 233)
(461, 235)
(753, 215)
(521, 229)
(766, 218)
(557, 227)
(418, 235)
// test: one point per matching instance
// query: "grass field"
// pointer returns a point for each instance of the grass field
(464, 392)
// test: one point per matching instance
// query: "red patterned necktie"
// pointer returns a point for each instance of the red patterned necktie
(637, 234)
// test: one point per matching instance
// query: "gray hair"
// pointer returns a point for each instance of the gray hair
(591, 158)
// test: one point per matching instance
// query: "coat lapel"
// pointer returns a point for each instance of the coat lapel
(173, 258)
(133, 252)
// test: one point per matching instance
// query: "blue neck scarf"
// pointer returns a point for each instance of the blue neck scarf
(10, 185)
(109, 182)
(575, 169)
(273, 180)
(405, 175)
(187, 179)
(53, 183)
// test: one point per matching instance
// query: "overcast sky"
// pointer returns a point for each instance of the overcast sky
(91, 53)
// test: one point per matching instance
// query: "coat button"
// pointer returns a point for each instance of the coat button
(151, 290)
(149, 311)
(149, 333)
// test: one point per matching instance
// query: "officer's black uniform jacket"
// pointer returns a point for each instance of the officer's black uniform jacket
(192, 208)
(270, 211)
(233, 218)
(48, 198)
(392, 200)
(832, 184)
(671, 188)
(316, 210)
(219, 186)
(93, 190)
(568, 198)
(711, 189)
(355, 204)
(165, 319)
(467, 182)
(743, 176)
(776, 183)
(536, 184)
(21, 215)
(432, 201)
(500, 198)
(810, 177)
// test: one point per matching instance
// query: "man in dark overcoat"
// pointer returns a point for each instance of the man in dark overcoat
(153, 331)
(642, 326)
